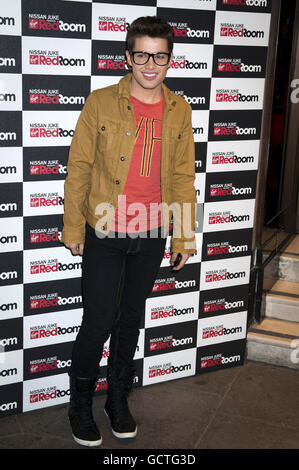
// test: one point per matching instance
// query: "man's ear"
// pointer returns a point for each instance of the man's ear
(128, 57)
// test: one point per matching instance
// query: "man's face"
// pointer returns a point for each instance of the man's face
(149, 75)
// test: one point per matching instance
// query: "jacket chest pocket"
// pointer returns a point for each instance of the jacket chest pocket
(174, 139)
(108, 132)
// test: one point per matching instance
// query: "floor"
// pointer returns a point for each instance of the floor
(254, 406)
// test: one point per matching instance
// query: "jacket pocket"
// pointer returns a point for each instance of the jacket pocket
(108, 131)
(175, 138)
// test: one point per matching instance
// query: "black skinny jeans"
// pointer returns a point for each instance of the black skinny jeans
(118, 275)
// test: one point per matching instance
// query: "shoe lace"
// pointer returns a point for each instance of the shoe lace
(86, 416)
(119, 405)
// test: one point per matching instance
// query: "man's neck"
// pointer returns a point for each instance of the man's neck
(147, 96)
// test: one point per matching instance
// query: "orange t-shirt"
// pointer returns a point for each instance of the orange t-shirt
(143, 183)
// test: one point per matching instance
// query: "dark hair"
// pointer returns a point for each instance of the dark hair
(151, 26)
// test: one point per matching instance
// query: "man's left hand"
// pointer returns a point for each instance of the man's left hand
(185, 256)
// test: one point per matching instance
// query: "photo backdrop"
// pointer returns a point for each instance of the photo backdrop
(52, 55)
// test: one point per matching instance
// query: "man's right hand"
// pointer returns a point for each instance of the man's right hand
(76, 248)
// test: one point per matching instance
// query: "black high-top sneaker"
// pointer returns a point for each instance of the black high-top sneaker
(84, 428)
(116, 408)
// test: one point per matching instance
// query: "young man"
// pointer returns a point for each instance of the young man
(132, 151)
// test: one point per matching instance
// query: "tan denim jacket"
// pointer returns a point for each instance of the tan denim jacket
(99, 161)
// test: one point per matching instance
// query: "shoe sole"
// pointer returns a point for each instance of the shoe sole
(121, 435)
(87, 443)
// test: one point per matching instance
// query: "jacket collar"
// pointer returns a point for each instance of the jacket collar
(124, 90)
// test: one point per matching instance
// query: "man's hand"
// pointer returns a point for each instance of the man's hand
(76, 248)
(185, 256)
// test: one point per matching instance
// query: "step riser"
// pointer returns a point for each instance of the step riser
(276, 355)
(281, 309)
(286, 269)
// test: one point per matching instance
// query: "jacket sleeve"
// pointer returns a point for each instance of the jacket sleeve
(183, 191)
(79, 167)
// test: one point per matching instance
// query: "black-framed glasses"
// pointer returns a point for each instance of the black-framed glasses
(141, 57)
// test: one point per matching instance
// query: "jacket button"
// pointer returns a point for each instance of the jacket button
(117, 182)
(103, 227)
(128, 133)
(179, 136)
(122, 158)
(129, 108)
(103, 128)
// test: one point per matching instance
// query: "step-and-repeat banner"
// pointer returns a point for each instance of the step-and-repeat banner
(52, 55)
